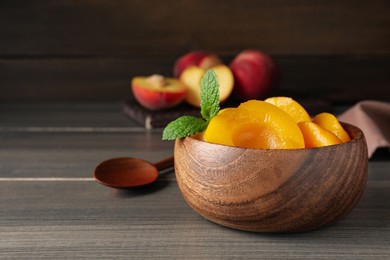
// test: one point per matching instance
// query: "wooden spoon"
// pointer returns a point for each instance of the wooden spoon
(127, 172)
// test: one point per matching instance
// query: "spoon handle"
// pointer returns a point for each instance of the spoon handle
(165, 164)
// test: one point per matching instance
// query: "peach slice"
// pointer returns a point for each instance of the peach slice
(220, 127)
(291, 107)
(192, 76)
(316, 136)
(331, 123)
(157, 92)
(254, 124)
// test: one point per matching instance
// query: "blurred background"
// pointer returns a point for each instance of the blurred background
(88, 50)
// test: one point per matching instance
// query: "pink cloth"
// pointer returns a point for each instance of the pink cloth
(373, 118)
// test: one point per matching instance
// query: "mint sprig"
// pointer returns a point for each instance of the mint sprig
(209, 95)
(209, 105)
(184, 126)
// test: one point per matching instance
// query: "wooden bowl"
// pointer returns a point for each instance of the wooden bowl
(266, 190)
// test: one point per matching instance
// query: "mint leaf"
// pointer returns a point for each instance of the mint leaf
(183, 126)
(209, 95)
(209, 105)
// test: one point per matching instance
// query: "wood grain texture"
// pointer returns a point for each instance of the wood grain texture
(68, 219)
(72, 116)
(74, 153)
(87, 220)
(272, 190)
(89, 50)
(335, 79)
(150, 28)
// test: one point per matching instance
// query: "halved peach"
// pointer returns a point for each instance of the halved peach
(157, 92)
(198, 58)
(192, 76)
(254, 124)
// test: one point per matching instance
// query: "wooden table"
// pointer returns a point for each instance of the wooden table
(51, 207)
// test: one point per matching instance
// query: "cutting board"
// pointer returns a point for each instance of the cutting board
(157, 119)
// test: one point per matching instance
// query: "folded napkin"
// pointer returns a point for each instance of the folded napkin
(373, 118)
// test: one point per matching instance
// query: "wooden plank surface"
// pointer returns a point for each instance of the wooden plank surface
(26, 116)
(89, 50)
(108, 79)
(51, 208)
(85, 220)
(151, 28)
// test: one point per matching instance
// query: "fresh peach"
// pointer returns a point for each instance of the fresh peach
(202, 59)
(255, 75)
(157, 92)
(192, 76)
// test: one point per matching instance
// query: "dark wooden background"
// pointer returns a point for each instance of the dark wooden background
(88, 50)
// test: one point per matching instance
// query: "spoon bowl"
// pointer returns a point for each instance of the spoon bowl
(125, 172)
